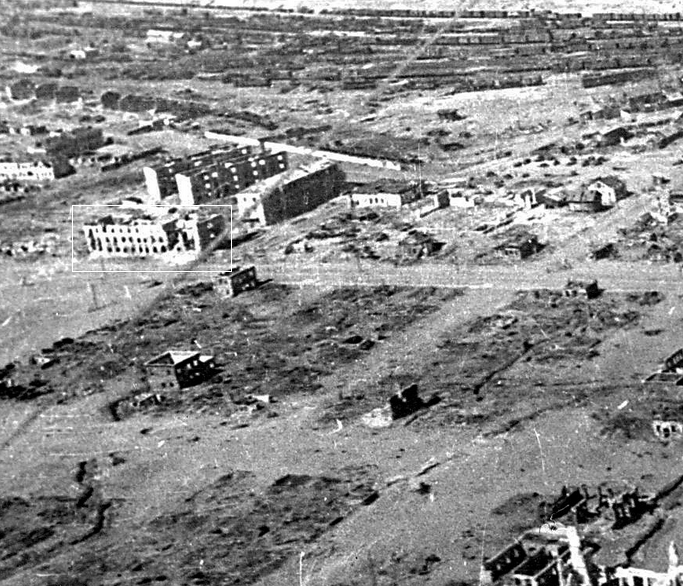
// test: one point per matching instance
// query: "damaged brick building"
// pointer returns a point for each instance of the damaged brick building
(227, 176)
(213, 174)
(145, 236)
(290, 194)
(176, 369)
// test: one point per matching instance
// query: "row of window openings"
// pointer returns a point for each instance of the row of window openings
(125, 249)
(235, 177)
(124, 229)
(124, 239)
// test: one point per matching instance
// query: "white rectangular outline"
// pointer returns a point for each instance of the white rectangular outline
(119, 205)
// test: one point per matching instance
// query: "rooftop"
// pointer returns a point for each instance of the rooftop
(171, 357)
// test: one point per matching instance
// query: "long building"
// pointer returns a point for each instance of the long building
(290, 194)
(35, 170)
(161, 179)
(228, 177)
(144, 236)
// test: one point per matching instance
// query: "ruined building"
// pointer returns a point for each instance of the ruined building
(640, 577)
(34, 170)
(542, 557)
(75, 142)
(174, 370)
(204, 183)
(233, 283)
(145, 236)
(290, 194)
(213, 174)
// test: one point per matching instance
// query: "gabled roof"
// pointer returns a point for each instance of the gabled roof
(171, 358)
(610, 180)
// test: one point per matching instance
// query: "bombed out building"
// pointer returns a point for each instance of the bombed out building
(75, 142)
(178, 369)
(226, 177)
(34, 170)
(145, 236)
(290, 194)
(211, 174)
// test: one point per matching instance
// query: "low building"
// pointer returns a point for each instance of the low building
(674, 362)
(630, 576)
(84, 53)
(599, 195)
(175, 370)
(22, 89)
(383, 200)
(74, 142)
(417, 245)
(233, 283)
(36, 170)
(163, 37)
(290, 194)
(615, 136)
(666, 431)
(585, 289)
(406, 402)
(143, 236)
(520, 246)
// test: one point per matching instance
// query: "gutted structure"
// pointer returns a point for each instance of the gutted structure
(37, 170)
(290, 194)
(406, 402)
(599, 195)
(161, 179)
(541, 557)
(175, 370)
(667, 430)
(145, 236)
(631, 576)
(585, 289)
(233, 283)
(671, 371)
(417, 245)
(384, 200)
(207, 181)
(75, 142)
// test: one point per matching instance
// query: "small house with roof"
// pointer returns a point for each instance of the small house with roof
(178, 369)
(601, 194)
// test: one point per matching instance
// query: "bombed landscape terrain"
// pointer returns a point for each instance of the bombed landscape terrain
(341, 294)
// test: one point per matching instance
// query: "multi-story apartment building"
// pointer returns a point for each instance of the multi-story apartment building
(161, 179)
(228, 177)
(290, 194)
